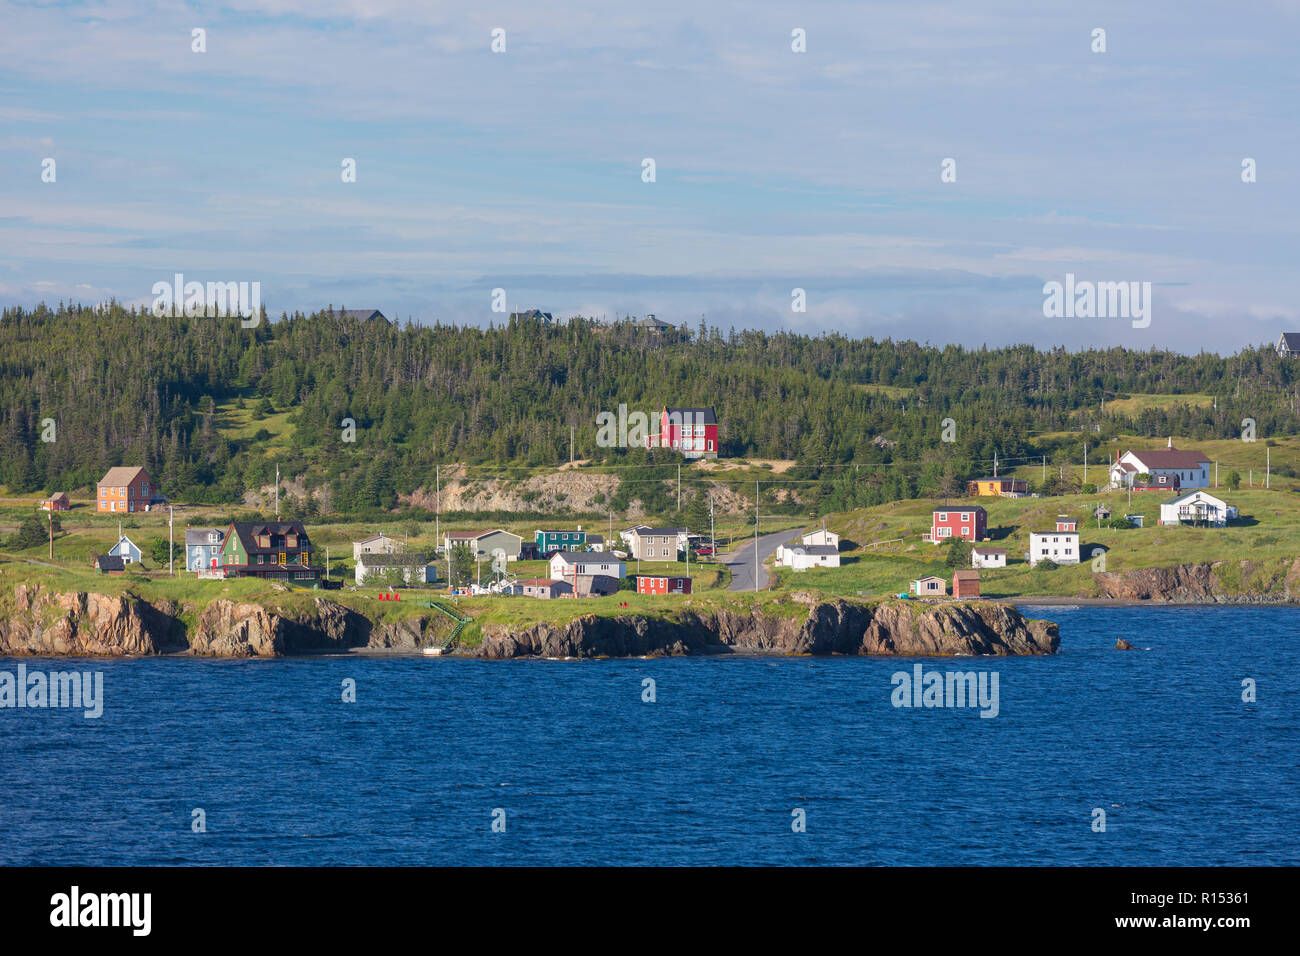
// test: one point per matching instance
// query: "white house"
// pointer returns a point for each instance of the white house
(1061, 547)
(801, 557)
(375, 544)
(126, 550)
(988, 557)
(1288, 343)
(1167, 466)
(566, 564)
(1196, 507)
(822, 537)
(414, 568)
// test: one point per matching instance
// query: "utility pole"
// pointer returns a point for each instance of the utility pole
(1216, 474)
(713, 537)
(51, 517)
(327, 560)
(756, 537)
(277, 492)
(1044, 469)
(1268, 464)
(171, 541)
(679, 487)
(1085, 463)
(571, 433)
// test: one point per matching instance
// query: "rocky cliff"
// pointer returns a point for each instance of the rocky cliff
(43, 622)
(1221, 582)
(837, 627)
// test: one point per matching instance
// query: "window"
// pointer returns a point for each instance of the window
(942, 516)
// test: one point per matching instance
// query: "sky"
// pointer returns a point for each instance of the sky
(774, 170)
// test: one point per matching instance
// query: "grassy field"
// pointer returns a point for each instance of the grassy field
(1269, 529)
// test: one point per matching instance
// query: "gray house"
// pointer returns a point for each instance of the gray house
(484, 544)
(376, 568)
(1288, 343)
(655, 544)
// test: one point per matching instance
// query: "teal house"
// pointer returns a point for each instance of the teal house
(549, 542)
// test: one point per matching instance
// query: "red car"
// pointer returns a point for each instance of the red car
(704, 549)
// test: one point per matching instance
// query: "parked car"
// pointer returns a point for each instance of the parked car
(704, 549)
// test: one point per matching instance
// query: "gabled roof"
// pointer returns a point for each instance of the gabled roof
(969, 575)
(595, 539)
(958, 508)
(584, 557)
(930, 577)
(644, 532)
(362, 315)
(814, 549)
(57, 496)
(398, 559)
(475, 535)
(989, 550)
(122, 475)
(650, 322)
(122, 538)
(541, 582)
(1292, 340)
(107, 562)
(697, 416)
(1192, 494)
(194, 536)
(246, 530)
(1171, 458)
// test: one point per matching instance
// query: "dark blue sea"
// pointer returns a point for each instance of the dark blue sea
(709, 773)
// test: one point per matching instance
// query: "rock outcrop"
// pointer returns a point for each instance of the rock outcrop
(837, 627)
(1221, 582)
(77, 623)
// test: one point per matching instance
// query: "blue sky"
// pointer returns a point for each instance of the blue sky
(775, 169)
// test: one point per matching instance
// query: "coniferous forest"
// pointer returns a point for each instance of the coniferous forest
(124, 386)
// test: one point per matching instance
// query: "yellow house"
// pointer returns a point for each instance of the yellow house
(997, 486)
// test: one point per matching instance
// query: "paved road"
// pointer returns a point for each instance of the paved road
(741, 564)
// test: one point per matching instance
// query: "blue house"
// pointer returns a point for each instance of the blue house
(203, 548)
(126, 550)
(549, 542)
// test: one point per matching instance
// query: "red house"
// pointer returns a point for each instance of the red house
(660, 584)
(692, 431)
(56, 502)
(969, 522)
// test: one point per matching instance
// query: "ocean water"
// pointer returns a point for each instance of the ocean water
(585, 772)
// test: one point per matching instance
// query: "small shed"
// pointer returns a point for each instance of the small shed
(109, 564)
(966, 584)
(930, 586)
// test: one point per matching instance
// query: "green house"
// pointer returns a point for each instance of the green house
(551, 541)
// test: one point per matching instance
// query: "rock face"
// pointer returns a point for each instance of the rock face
(42, 622)
(1123, 645)
(1222, 582)
(837, 627)
(228, 629)
(86, 623)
